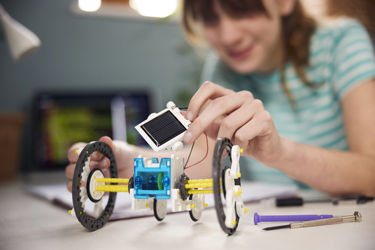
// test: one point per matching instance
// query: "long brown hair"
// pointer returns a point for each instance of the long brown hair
(363, 10)
(297, 29)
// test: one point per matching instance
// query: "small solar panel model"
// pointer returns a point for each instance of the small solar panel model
(157, 180)
(164, 130)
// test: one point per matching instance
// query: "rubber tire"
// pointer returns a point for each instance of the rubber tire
(217, 172)
(157, 216)
(88, 222)
(193, 218)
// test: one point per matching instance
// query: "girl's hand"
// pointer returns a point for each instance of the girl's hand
(124, 155)
(237, 116)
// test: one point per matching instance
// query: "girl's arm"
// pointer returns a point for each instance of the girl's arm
(249, 125)
(338, 172)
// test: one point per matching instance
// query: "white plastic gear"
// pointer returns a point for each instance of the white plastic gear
(230, 199)
(83, 194)
(73, 213)
(229, 182)
(86, 170)
(235, 167)
(240, 208)
(230, 211)
(98, 209)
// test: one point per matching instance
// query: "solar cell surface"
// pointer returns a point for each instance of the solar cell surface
(163, 128)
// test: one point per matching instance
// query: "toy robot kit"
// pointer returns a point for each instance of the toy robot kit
(157, 180)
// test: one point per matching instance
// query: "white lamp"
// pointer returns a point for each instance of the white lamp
(22, 42)
(154, 8)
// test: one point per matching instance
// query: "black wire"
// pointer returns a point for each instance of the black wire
(192, 146)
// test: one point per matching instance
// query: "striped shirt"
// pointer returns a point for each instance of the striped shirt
(341, 57)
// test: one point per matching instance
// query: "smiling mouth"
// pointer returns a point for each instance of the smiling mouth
(240, 54)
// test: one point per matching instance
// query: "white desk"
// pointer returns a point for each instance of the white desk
(29, 223)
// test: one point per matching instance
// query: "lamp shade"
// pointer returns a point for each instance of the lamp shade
(22, 42)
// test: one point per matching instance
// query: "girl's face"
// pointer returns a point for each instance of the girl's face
(248, 44)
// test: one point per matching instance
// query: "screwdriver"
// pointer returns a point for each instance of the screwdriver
(357, 217)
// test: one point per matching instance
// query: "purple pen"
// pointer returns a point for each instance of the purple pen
(269, 218)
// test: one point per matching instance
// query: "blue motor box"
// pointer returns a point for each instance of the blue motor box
(152, 179)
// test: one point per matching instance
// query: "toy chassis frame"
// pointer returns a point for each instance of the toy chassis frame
(149, 192)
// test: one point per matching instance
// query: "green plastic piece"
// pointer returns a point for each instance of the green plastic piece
(160, 181)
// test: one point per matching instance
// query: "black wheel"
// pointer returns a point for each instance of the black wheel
(195, 214)
(222, 145)
(160, 209)
(79, 198)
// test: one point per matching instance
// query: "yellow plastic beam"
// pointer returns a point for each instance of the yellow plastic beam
(199, 181)
(199, 185)
(112, 188)
(203, 191)
(113, 180)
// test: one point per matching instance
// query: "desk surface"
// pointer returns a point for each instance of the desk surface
(27, 222)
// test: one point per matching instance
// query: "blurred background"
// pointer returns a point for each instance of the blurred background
(92, 48)
(98, 58)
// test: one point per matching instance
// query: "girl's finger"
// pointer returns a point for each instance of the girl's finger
(184, 114)
(69, 170)
(239, 118)
(217, 108)
(101, 164)
(213, 129)
(72, 156)
(108, 141)
(69, 186)
(208, 91)
(260, 125)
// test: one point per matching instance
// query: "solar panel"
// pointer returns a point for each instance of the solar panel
(163, 128)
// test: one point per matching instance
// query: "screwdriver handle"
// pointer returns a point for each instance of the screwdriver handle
(270, 218)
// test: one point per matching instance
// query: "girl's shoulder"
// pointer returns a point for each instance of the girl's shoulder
(338, 30)
(339, 23)
(343, 53)
(337, 40)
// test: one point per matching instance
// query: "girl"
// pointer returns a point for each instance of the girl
(297, 97)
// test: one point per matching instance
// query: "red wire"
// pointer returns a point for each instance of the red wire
(204, 156)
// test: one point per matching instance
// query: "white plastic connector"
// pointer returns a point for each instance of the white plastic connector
(177, 146)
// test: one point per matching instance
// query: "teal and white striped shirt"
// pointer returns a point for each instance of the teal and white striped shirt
(341, 57)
